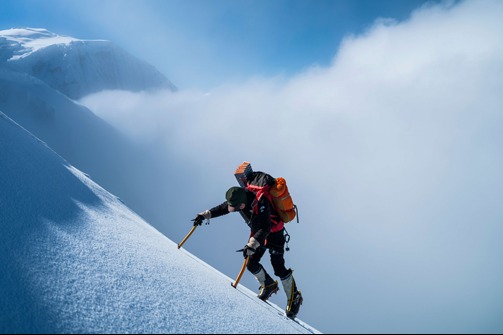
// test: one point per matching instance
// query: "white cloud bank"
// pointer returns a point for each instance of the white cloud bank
(393, 154)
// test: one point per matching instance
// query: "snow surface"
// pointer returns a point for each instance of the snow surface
(75, 259)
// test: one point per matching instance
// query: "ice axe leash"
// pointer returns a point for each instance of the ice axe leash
(243, 268)
(186, 237)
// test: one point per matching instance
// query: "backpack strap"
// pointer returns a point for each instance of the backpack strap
(263, 191)
(261, 183)
(260, 191)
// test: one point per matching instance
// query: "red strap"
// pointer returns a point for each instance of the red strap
(261, 191)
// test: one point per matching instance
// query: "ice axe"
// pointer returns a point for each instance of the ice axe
(186, 237)
(243, 268)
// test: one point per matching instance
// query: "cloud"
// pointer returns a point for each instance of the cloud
(393, 154)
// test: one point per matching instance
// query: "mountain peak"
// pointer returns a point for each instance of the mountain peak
(76, 67)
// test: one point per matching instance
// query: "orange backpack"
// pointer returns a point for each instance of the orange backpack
(275, 189)
(282, 200)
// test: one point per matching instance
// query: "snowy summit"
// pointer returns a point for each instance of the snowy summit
(76, 67)
(28, 40)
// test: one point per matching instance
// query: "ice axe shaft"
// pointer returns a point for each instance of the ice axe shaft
(243, 268)
(186, 237)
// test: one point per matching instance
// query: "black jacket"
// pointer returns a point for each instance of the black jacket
(260, 223)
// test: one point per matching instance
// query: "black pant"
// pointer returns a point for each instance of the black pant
(276, 246)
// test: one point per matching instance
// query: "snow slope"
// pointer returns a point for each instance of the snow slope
(75, 259)
(76, 67)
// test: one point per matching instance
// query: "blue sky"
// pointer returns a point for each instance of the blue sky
(204, 44)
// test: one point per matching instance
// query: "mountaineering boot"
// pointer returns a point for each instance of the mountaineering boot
(294, 305)
(293, 295)
(268, 289)
(268, 286)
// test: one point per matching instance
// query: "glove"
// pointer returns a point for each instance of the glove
(251, 247)
(248, 251)
(201, 216)
(198, 220)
